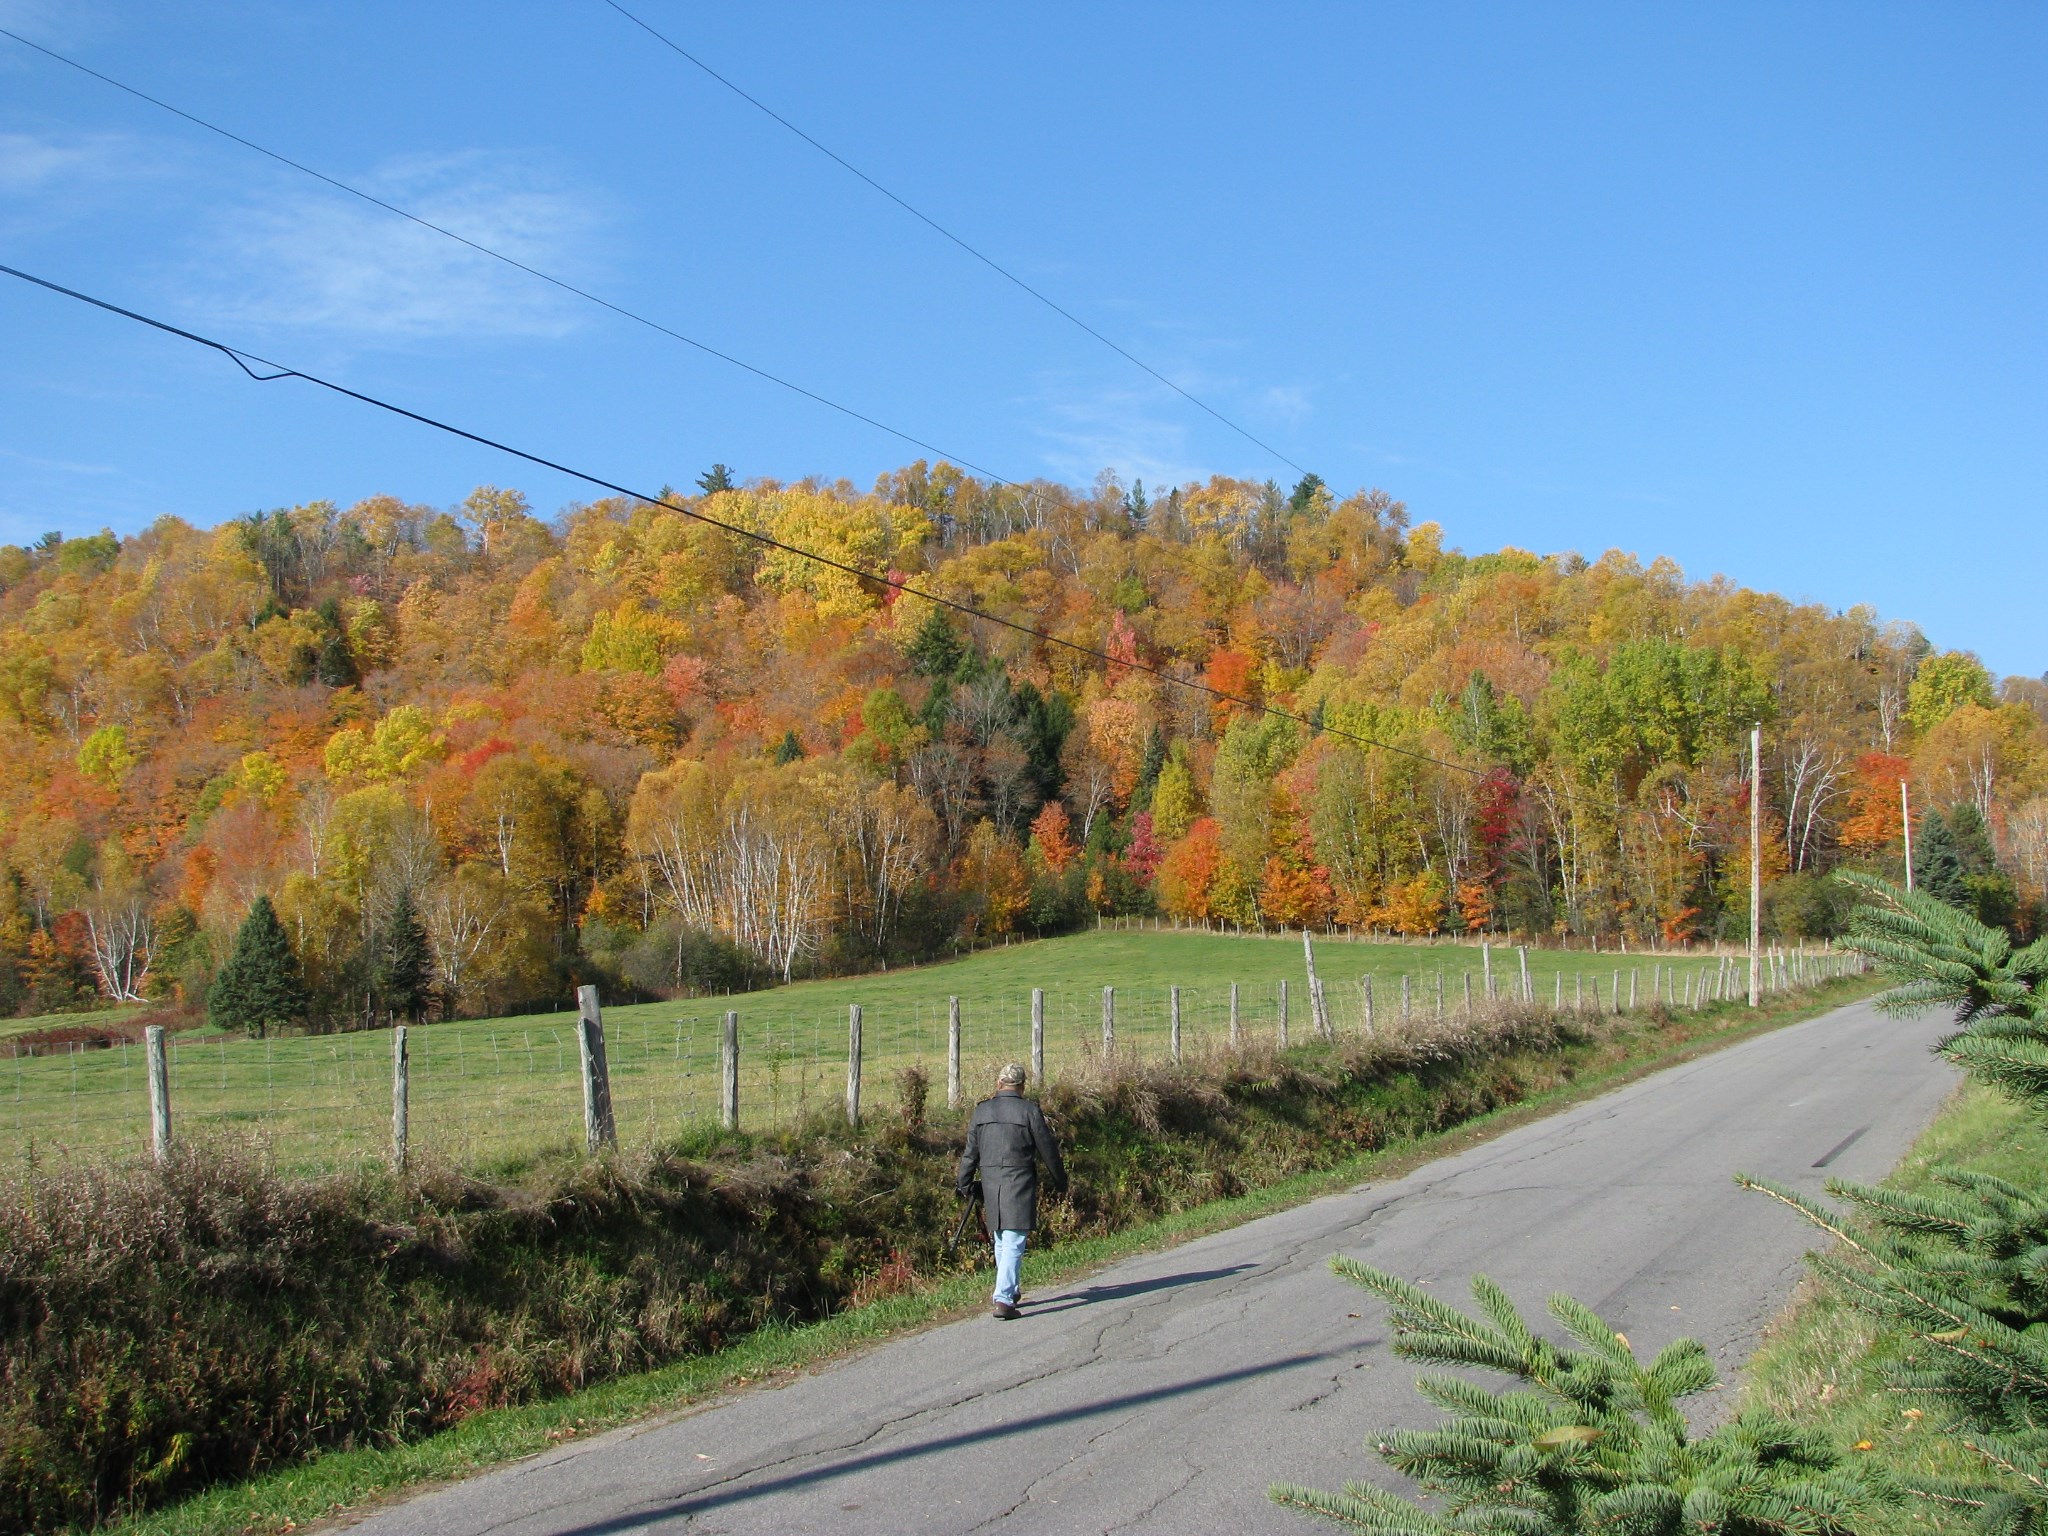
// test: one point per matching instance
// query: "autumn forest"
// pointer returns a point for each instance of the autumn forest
(471, 757)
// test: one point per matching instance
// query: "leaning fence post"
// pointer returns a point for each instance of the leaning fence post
(729, 1073)
(599, 1130)
(853, 1065)
(159, 1093)
(953, 1053)
(1173, 1023)
(401, 1089)
(1283, 1013)
(1038, 1036)
(1108, 1022)
(1318, 1011)
(1365, 983)
(1522, 953)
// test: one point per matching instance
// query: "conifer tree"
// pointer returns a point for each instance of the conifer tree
(1964, 1269)
(715, 479)
(1592, 1441)
(261, 985)
(1938, 862)
(405, 962)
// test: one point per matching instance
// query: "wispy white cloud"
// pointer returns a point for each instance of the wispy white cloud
(1132, 430)
(57, 466)
(317, 260)
(32, 163)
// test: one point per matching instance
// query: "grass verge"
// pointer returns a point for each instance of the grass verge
(342, 1481)
(1823, 1361)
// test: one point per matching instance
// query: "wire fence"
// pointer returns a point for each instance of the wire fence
(487, 1093)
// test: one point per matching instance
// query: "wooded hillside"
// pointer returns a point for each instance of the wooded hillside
(626, 746)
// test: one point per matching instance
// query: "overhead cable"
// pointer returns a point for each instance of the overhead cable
(243, 359)
(933, 224)
(511, 261)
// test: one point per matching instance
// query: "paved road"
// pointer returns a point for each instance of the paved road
(1163, 1394)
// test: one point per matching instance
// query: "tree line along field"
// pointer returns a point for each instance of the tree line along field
(488, 1092)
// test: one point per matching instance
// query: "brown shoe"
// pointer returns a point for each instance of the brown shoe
(1003, 1312)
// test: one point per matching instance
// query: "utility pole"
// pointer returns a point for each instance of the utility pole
(1906, 821)
(1756, 861)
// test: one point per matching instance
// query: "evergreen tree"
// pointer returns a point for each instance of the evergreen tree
(1304, 494)
(715, 479)
(1938, 863)
(405, 962)
(1592, 1440)
(936, 651)
(789, 749)
(1963, 1269)
(261, 985)
(1137, 505)
(1149, 766)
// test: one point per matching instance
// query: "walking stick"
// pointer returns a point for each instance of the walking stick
(967, 1215)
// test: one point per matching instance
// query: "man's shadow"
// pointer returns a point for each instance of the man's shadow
(1095, 1295)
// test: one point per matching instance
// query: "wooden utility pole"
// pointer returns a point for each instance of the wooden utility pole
(1906, 822)
(1756, 862)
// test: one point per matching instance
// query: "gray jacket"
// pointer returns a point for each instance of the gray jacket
(1007, 1138)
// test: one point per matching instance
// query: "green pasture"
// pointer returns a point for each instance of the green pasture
(495, 1091)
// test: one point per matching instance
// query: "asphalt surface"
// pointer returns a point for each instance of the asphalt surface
(1163, 1394)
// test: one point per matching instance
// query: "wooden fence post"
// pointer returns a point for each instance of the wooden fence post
(599, 1129)
(1468, 992)
(853, 1065)
(159, 1093)
(1318, 1011)
(1173, 1023)
(1283, 1013)
(1486, 962)
(1365, 984)
(1236, 1030)
(953, 1053)
(1616, 998)
(1522, 953)
(1108, 1022)
(1404, 997)
(1038, 1035)
(729, 1073)
(401, 1089)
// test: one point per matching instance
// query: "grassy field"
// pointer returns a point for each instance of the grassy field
(495, 1091)
(1826, 1361)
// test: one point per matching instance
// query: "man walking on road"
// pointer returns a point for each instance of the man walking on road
(1007, 1139)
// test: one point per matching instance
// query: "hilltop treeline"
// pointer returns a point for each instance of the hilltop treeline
(626, 745)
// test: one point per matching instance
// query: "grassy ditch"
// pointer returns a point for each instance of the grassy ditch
(1824, 1362)
(211, 1322)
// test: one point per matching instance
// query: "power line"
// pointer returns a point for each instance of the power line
(242, 359)
(933, 224)
(511, 261)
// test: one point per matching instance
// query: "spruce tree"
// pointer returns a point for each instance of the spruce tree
(261, 985)
(1591, 1440)
(1963, 1268)
(405, 962)
(715, 479)
(789, 750)
(935, 650)
(1938, 862)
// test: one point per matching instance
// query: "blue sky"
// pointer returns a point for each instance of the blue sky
(1760, 287)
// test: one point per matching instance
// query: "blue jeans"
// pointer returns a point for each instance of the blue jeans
(1009, 1255)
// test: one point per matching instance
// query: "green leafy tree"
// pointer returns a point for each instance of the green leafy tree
(1944, 684)
(261, 987)
(405, 962)
(1592, 1441)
